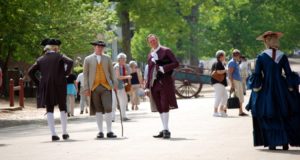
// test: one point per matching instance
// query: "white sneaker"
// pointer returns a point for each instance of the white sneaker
(216, 115)
(223, 114)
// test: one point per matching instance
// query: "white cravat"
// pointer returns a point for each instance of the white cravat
(155, 57)
(154, 54)
(98, 58)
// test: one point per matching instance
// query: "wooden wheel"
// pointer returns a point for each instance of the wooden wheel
(186, 88)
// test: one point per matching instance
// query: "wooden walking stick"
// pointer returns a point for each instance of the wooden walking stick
(118, 106)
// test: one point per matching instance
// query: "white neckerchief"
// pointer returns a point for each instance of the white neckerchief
(154, 54)
(98, 58)
(278, 57)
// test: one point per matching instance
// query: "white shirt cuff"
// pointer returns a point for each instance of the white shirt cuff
(161, 69)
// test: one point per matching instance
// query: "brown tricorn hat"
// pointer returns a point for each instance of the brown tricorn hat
(268, 33)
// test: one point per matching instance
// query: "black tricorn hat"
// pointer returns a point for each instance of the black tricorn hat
(51, 41)
(98, 43)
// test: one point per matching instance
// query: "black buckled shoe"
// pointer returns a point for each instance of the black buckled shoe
(100, 135)
(166, 134)
(65, 136)
(160, 135)
(285, 147)
(111, 135)
(55, 138)
(272, 147)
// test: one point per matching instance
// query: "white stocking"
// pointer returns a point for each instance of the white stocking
(162, 120)
(50, 119)
(63, 121)
(99, 119)
(166, 120)
(108, 118)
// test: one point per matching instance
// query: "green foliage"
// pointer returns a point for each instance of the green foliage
(78, 69)
(191, 28)
(236, 24)
(24, 23)
(163, 18)
(220, 25)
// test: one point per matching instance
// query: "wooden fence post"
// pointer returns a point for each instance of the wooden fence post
(21, 93)
(11, 93)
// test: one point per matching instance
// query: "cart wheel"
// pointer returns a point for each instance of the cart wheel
(186, 89)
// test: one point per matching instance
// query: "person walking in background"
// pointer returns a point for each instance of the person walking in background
(114, 100)
(52, 85)
(221, 95)
(122, 72)
(71, 93)
(136, 84)
(98, 82)
(201, 66)
(1, 79)
(161, 62)
(244, 72)
(236, 79)
(114, 105)
(84, 100)
(145, 74)
(274, 100)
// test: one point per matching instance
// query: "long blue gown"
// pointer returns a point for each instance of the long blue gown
(275, 109)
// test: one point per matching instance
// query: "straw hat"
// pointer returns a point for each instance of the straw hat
(268, 33)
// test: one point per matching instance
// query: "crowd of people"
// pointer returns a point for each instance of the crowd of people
(105, 86)
(237, 71)
(274, 100)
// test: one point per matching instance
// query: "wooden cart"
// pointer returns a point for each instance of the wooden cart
(189, 80)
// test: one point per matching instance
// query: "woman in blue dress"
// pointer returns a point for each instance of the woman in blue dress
(275, 99)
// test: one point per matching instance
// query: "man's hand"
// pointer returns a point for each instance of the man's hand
(87, 93)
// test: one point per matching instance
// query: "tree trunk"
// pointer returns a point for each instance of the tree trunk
(192, 20)
(126, 35)
(5, 86)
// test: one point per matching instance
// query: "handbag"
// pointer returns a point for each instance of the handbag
(233, 102)
(219, 77)
(127, 87)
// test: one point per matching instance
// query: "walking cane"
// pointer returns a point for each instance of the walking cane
(118, 106)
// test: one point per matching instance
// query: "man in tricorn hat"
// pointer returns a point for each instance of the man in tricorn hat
(52, 85)
(274, 101)
(99, 80)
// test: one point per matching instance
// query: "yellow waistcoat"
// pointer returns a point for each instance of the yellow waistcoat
(100, 78)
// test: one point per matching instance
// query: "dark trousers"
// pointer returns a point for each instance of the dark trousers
(62, 107)
(102, 99)
(159, 96)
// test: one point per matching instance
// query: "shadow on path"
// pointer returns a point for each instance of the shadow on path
(64, 141)
(280, 151)
(3, 145)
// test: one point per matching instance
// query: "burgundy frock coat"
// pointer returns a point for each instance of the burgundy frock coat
(163, 88)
